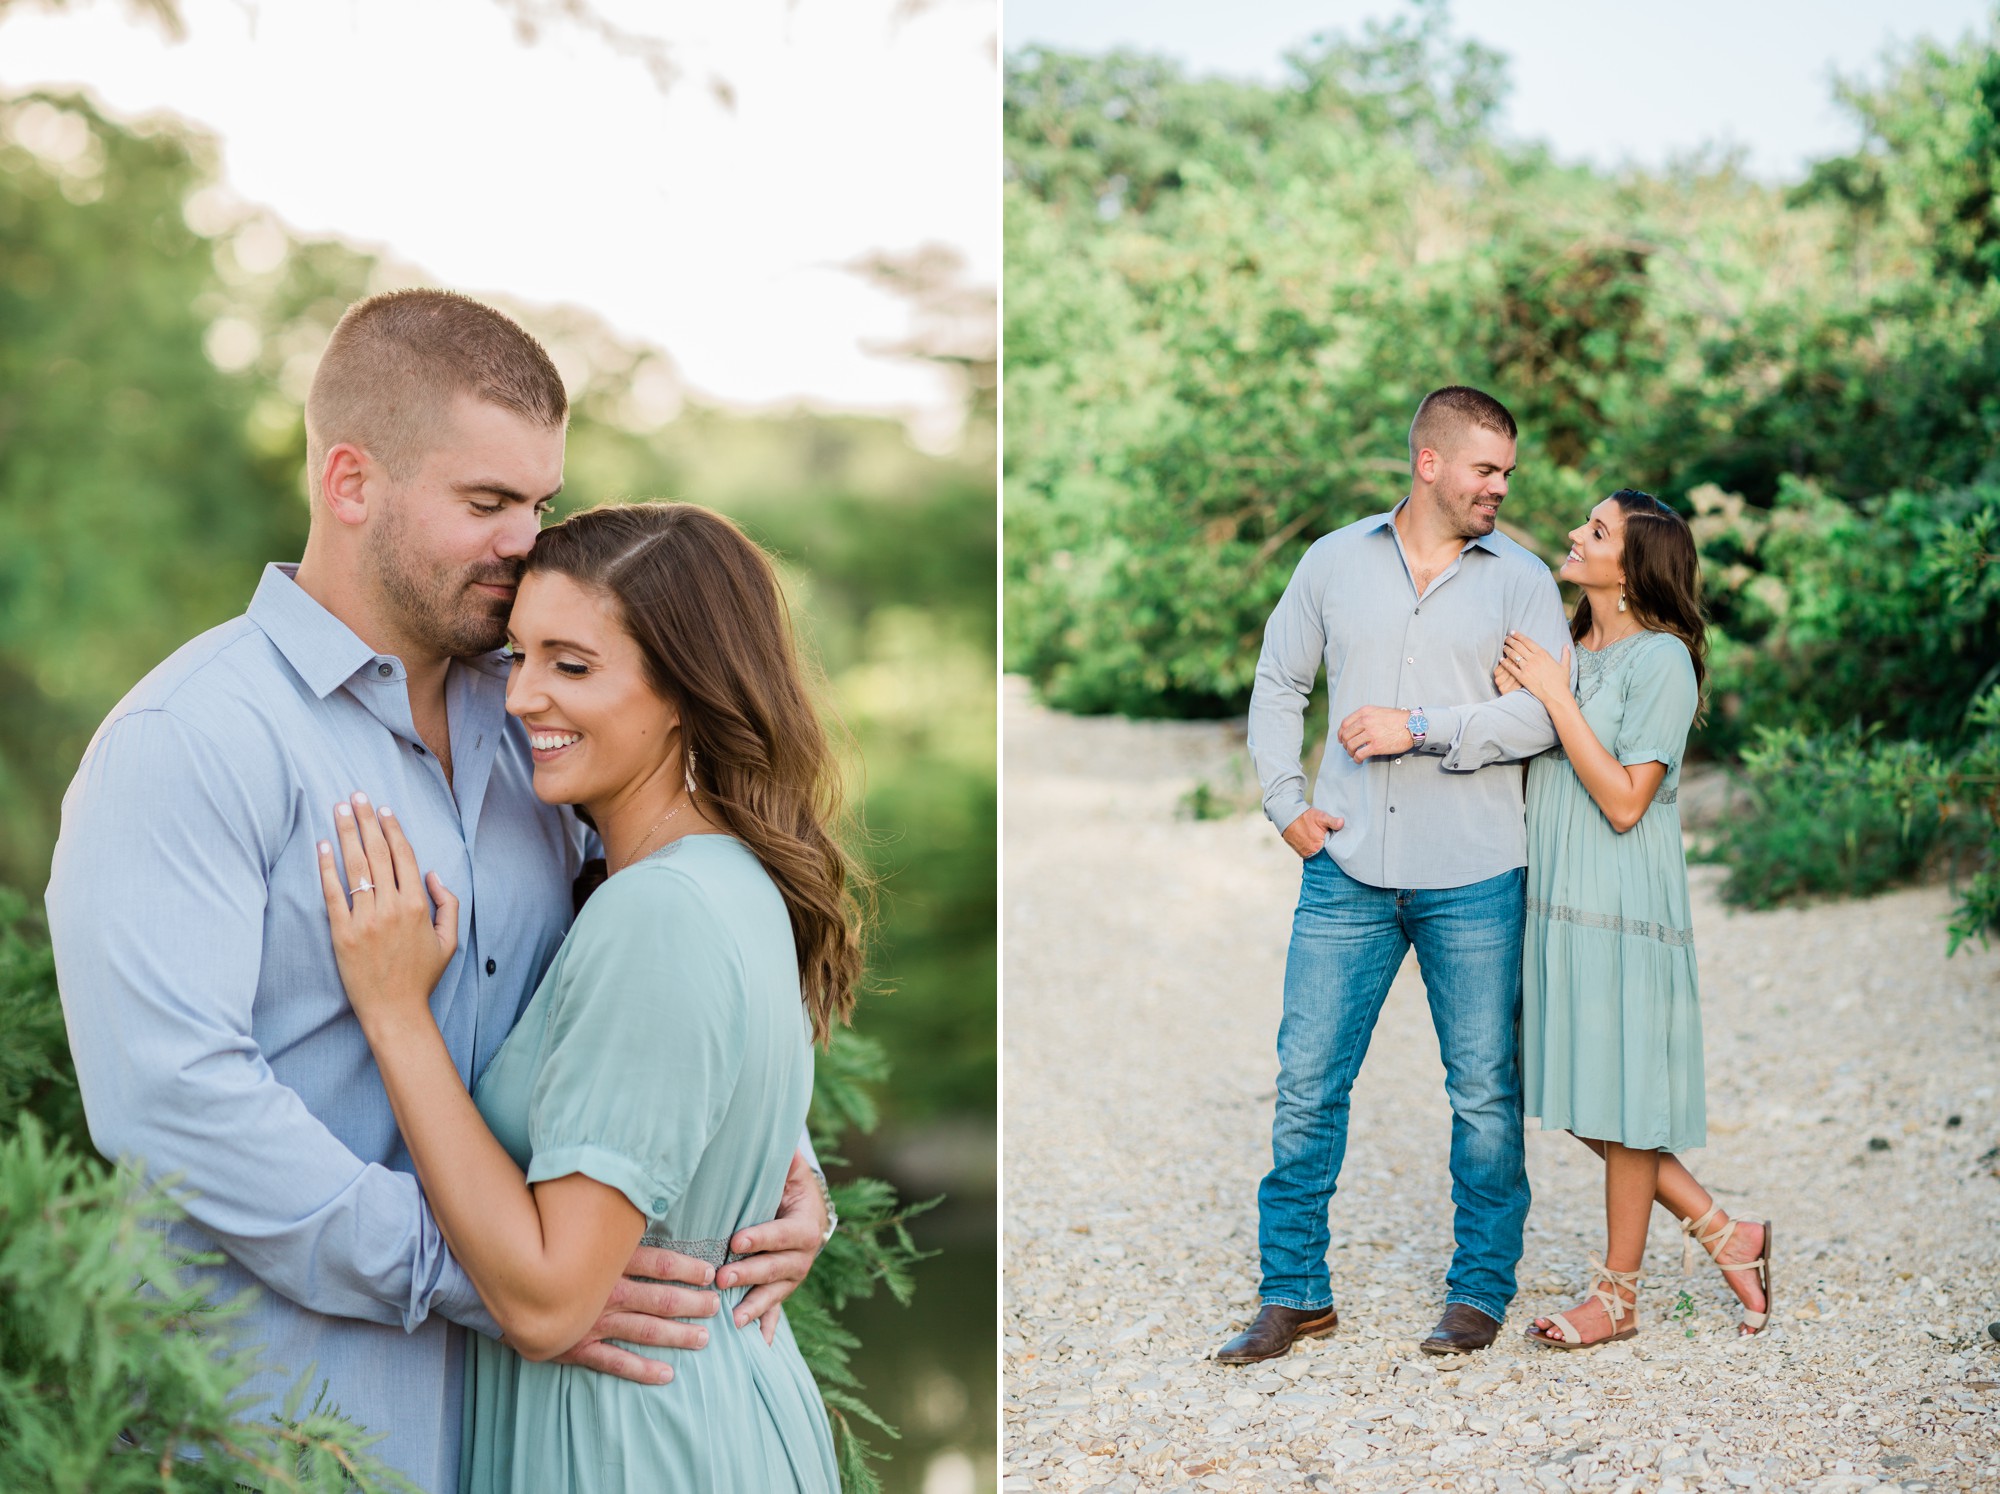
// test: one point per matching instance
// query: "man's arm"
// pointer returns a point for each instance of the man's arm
(1294, 645)
(1510, 727)
(777, 1257)
(156, 910)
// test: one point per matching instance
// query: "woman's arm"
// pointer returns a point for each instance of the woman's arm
(1622, 792)
(544, 1258)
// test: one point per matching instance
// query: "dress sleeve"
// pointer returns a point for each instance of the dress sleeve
(645, 1042)
(1660, 699)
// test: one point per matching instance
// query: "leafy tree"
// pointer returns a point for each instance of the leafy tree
(115, 422)
(1225, 299)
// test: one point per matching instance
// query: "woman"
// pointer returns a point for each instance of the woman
(1610, 1016)
(657, 1082)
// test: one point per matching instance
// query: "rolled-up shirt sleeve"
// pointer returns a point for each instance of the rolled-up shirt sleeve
(157, 911)
(1510, 727)
(1294, 646)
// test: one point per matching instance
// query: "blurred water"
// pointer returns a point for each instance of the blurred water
(931, 1369)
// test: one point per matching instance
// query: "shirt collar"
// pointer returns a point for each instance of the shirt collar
(323, 649)
(1487, 542)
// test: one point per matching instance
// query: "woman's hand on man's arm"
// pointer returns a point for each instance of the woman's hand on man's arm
(1622, 791)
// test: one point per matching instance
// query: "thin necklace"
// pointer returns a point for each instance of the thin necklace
(649, 835)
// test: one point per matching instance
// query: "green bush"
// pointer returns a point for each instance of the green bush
(1886, 611)
(1890, 613)
(1817, 824)
(112, 1374)
(36, 1078)
(1974, 785)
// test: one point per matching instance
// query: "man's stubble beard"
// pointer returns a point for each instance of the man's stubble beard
(1470, 526)
(436, 607)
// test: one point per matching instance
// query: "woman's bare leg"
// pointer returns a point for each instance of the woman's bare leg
(1681, 1195)
(1631, 1180)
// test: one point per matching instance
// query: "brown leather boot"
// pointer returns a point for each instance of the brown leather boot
(1461, 1330)
(1271, 1336)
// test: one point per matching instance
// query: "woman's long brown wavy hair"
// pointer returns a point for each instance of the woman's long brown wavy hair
(1662, 581)
(702, 601)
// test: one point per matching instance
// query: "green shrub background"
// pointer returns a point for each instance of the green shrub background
(1225, 299)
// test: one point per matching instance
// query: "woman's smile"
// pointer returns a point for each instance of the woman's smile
(548, 744)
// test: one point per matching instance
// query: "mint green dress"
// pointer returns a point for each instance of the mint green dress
(667, 1055)
(1610, 1006)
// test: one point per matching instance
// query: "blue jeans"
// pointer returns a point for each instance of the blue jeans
(1348, 939)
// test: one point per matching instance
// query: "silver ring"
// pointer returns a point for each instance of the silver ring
(364, 887)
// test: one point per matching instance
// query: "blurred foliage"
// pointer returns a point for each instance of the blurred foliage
(1225, 299)
(85, 1359)
(156, 340)
(163, 14)
(1842, 812)
(1816, 822)
(1880, 609)
(531, 19)
(35, 1073)
(108, 1389)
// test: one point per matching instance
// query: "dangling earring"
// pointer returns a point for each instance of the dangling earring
(1621, 596)
(688, 777)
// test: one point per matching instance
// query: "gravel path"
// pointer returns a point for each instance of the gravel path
(1854, 1096)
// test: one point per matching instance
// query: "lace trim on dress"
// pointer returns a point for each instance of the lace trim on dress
(1592, 665)
(1639, 927)
(715, 1252)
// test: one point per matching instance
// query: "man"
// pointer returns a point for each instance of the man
(1414, 837)
(211, 1033)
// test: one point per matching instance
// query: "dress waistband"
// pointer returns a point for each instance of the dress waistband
(715, 1252)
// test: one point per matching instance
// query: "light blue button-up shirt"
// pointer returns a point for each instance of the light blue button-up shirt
(1449, 814)
(211, 1033)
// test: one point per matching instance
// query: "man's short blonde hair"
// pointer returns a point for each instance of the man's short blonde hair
(1448, 413)
(397, 361)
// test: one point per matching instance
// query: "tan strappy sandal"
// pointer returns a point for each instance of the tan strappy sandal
(1713, 1241)
(1605, 1286)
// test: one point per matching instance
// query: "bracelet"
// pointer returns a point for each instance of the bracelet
(826, 1197)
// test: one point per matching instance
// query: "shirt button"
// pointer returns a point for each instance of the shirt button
(491, 967)
(1392, 809)
(1409, 661)
(659, 1206)
(384, 670)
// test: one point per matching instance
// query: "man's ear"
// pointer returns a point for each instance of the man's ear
(1428, 464)
(345, 479)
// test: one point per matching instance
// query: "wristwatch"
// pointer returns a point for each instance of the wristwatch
(826, 1197)
(1420, 727)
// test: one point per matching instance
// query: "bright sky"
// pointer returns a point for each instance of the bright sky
(1598, 81)
(560, 173)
